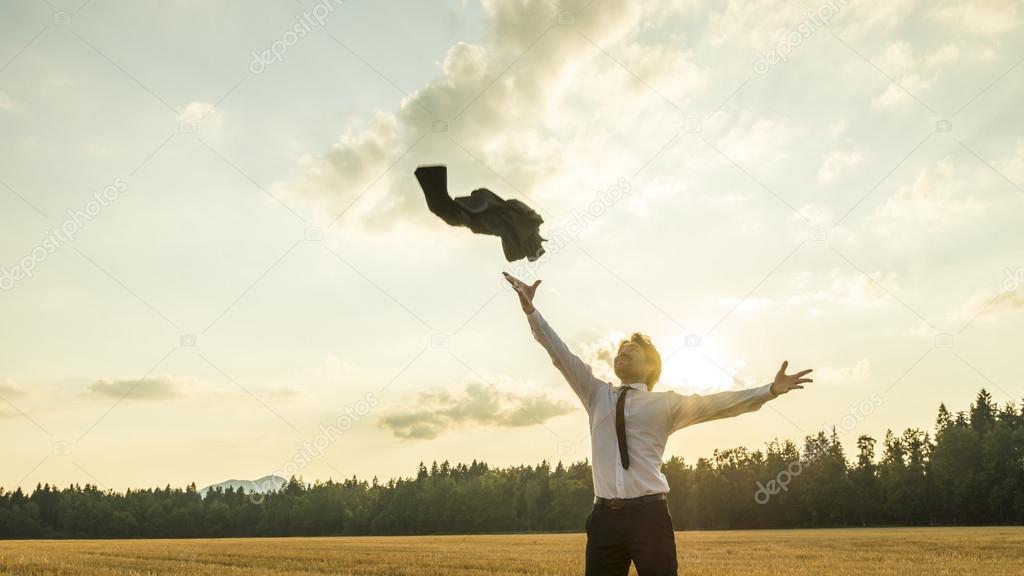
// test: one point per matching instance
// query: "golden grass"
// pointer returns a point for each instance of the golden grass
(895, 551)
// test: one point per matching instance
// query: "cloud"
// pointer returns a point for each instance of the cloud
(600, 354)
(757, 142)
(935, 200)
(913, 75)
(819, 292)
(865, 15)
(745, 305)
(838, 163)
(10, 390)
(992, 305)
(1014, 167)
(671, 71)
(202, 113)
(6, 103)
(162, 388)
(435, 413)
(816, 215)
(858, 372)
(761, 24)
(990, 18)
(501, 98)
(283, 394)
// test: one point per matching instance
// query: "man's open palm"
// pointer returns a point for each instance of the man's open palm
(524, 290)
(786, 382)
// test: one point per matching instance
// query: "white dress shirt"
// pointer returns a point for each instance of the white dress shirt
(650, 418)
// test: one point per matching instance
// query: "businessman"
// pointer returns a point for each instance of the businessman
(629, 426)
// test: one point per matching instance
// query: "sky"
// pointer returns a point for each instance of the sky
(216, 261)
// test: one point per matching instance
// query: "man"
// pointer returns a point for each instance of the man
(629, 426)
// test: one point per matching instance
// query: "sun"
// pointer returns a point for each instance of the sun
(693, 365)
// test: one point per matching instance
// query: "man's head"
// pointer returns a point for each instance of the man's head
(637, 360)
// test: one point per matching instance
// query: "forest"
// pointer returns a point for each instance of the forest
(969, 470)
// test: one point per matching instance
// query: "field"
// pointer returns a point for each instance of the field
(798, 552)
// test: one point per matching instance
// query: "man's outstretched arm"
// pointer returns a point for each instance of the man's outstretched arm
(686, 410)
(579, 375)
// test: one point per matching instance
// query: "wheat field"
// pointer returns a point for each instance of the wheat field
(797, 552)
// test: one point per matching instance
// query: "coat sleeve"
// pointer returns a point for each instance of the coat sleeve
(577, 372)
(686, 410)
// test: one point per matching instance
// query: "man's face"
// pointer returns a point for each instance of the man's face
(631, 362)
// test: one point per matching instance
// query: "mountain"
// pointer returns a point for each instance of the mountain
(263, 485)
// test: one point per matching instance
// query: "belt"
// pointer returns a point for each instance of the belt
(615, 503)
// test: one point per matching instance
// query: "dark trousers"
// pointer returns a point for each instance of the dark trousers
(641, 534)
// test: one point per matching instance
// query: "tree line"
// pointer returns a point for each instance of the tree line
(969, 470)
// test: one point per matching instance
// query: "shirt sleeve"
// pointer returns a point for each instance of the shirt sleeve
(577, 372)
(686, 410)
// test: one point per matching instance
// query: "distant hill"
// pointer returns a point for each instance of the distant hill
(263, 485)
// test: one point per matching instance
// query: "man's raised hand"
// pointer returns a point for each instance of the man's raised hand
(525, 291)
(785, 382)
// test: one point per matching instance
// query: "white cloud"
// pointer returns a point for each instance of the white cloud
(1014, 166)
(745, 305)
(505, 93)
(6, 103)
(991, 305)
(945, 56)
(866, 15)
(600, 354)
(823, 292)
(816, 215)
(761, 24)
(669, 70)
(434, 413)
(838, 129)
(897, 95)
(816, 218)
(756, 141)
(203, 115)
(858, 372)
(898, 59)
(358, 160)
(161, 388)
(837, 164)
(283, 394)
(913, 75)
(988, 18)
(10, 390)
(935, 200)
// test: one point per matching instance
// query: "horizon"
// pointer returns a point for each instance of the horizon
(214, 247)
(276, 475)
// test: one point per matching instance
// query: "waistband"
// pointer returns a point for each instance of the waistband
(615, 503)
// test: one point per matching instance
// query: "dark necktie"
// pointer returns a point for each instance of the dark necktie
(620, 425)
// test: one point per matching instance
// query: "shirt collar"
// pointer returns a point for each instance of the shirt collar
(636, 386)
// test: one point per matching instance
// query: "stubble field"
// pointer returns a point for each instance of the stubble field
(797, 552)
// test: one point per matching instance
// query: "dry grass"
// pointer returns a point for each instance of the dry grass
(798, 552)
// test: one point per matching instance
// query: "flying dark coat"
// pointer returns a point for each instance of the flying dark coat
(484, 212)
